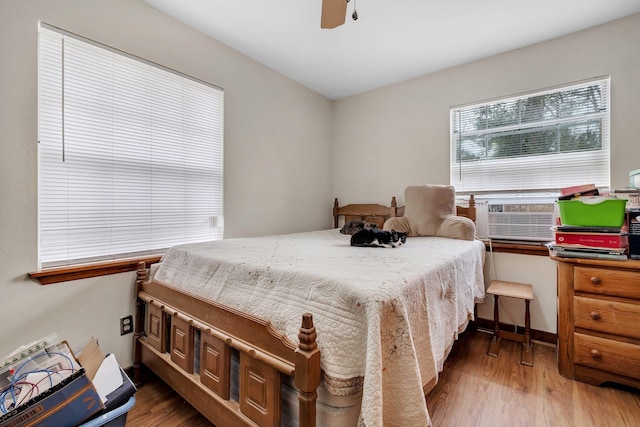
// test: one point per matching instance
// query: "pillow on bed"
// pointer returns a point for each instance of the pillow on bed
(430, 210)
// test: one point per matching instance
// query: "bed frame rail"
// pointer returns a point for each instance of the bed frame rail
(201, 373)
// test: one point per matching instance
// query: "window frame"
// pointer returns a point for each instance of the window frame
(211, 217)
(508, 167)
(497, 174)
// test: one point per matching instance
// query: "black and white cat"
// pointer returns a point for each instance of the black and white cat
(374, 237)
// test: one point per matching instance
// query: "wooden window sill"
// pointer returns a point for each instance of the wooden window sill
(48, 276)
(518, 248)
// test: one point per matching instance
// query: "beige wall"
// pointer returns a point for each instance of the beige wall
(283, 144)
(388, 138)
(277, 153)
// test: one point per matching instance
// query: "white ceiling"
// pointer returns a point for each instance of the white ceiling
(393, 40)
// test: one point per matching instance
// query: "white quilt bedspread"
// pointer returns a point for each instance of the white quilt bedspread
(387, 316)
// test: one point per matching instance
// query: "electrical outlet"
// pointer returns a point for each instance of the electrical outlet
(126, 325)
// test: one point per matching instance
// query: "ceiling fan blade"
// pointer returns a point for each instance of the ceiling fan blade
(333, 13)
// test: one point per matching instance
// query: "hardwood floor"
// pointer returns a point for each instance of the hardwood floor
(158, 405)
(477, 390)
(474, 390)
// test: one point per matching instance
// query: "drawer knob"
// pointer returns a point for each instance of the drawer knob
(595, 280)
(596, 354)
(595, 315)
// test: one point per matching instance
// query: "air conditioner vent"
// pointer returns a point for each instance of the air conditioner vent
(521, 221)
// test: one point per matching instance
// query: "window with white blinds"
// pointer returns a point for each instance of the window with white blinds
(130, 153)
(533, 142)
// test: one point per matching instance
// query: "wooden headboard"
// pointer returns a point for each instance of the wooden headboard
(369, 212)
(378, 214)
(469, 210)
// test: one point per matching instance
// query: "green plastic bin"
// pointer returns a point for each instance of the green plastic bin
(592, 212)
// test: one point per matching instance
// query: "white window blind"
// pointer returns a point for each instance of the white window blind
(534, 142)
(130, 153)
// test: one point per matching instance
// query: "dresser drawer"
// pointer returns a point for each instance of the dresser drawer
(612, 317)
(607, 355)
(621, 283)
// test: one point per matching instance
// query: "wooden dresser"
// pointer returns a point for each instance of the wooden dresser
(599, 320)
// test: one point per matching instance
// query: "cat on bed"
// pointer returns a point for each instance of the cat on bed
(374, 237)
(352, 227)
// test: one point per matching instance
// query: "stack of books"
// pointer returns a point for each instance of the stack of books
(590, 242)
(569, 193)
(633, 221)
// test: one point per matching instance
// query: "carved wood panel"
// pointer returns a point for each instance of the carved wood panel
(259, 391)
(156, 327)
(215, 359)
(182, 344)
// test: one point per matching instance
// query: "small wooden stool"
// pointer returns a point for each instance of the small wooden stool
(523, 291)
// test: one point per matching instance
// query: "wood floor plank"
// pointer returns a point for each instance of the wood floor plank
(158, 405)
(502, 392)
(474, 389)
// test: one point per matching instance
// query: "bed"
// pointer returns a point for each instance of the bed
(303, 329)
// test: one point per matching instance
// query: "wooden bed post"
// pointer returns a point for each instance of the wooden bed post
(307, 371)
(393, 210)
(335, 213)
(471, 213)
(142, 275)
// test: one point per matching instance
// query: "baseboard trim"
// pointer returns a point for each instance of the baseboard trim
(546, 337)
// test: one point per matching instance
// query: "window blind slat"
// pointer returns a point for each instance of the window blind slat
(540, 141)
(142, 151)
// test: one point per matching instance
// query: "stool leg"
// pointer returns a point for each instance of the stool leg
(494, 345)
(527, 348)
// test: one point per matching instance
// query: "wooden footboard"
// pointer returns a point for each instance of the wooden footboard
(189, 343)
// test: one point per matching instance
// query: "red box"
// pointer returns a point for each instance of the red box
(600, 240)
(569, 193)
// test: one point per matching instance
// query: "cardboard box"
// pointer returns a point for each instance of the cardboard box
(100, 368)
(77, 398)
(66, 404)
(115, 400)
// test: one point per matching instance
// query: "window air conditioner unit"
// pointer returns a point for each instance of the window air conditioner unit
(522, 221)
